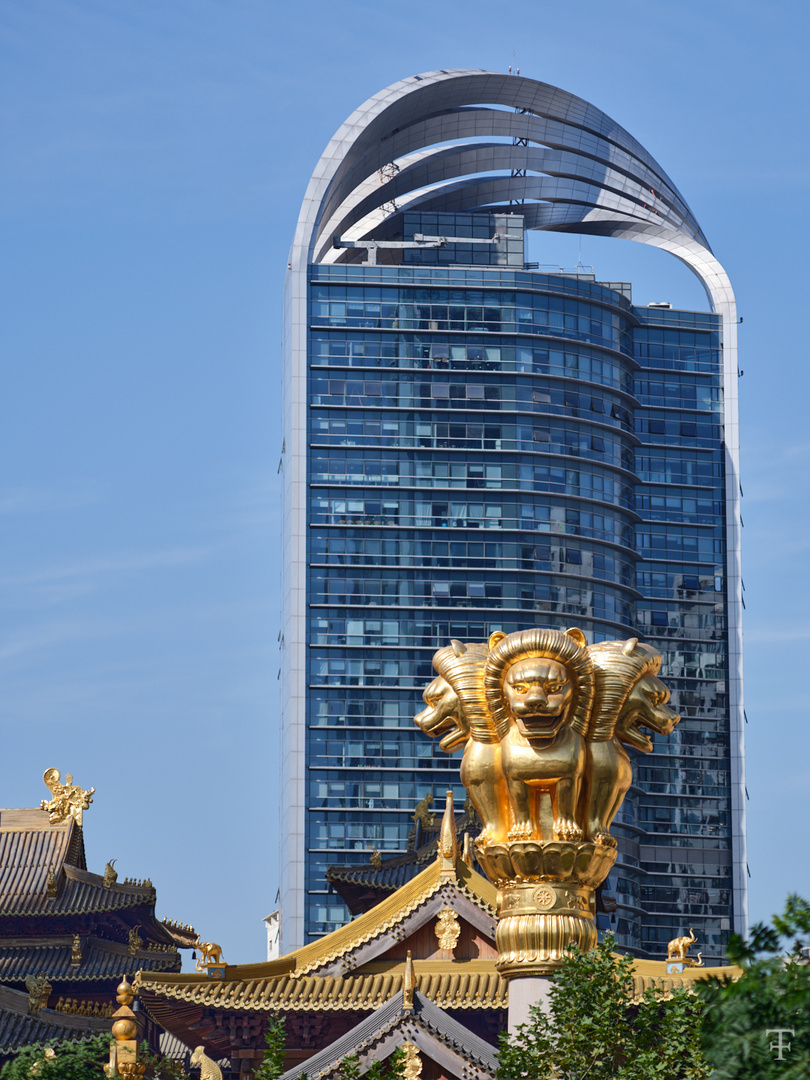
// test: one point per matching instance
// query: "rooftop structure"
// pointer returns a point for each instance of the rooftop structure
(419, 967)
(68, 936)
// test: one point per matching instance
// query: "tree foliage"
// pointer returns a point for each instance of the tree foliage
(84, 1059)
(772, 994)
(594, 1031)
(80, 1060)
(392, 1068)
(275, 1041)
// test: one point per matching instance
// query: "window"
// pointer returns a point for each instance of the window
(440, 390)
(542, 435)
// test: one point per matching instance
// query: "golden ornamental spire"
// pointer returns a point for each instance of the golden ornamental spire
(448, 841)
(408, 983)
(124, 1047)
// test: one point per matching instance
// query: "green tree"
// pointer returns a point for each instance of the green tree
(80, 1060)
(594, 1031)
(742, 1018)
(275, 1040)
(392, 1068)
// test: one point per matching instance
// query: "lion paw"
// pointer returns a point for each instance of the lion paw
(567, 829)
(521, 831)
(603, 837)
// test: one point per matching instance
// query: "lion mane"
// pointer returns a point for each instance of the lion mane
(618, 666)
(565, 647)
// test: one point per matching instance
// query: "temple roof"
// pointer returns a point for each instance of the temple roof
(653, 973)
(352, 946)
(362, 885)
(79, 892)
(471, 984)
(33, 849)
(18, 1028)
(437, 1035)
(101, 959)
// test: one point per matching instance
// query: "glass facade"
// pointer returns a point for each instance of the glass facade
(494, 448)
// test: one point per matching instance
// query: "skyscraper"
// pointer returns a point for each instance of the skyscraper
(472, 444)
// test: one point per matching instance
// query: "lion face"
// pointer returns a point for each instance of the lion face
(443, 716)
(538, 692)
(645, 706)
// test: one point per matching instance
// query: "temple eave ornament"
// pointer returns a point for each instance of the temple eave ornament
(68, 799)
(544, 720)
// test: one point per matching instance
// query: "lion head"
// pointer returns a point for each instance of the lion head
(629, 694)
(539, 680)
(455, 699)
(443, 716)
(645, 706)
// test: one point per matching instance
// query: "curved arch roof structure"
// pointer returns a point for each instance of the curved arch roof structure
(473, 140)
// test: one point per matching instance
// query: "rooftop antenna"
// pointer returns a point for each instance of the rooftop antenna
(513, 64)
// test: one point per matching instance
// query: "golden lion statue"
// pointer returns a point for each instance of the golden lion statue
(543, 718)
(630, 695)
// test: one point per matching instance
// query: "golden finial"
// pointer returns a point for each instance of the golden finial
(467, 855)
(76, 951)
(69, 800)
(375, 858)
(408, 983)
(53, 883)
(448, 841)
(124, 1049)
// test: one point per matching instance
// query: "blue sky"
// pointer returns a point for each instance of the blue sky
(154, 159)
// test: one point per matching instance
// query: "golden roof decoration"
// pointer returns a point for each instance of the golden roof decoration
(68, 799)
(412, 1066)
(390, 911)
(448, 841)
(473, 984)
(408, 982)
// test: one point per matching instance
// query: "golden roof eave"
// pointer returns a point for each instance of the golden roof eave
(449, 984)
(653, 973)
